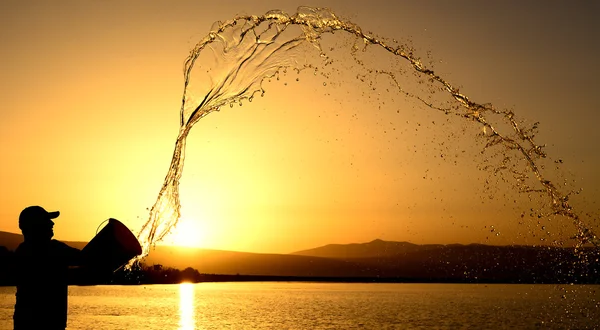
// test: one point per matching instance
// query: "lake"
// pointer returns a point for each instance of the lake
(299, 305)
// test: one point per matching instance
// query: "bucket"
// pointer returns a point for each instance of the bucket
(111, 248)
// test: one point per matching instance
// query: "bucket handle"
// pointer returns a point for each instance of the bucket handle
(101, 225)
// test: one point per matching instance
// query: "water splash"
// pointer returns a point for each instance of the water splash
(231, 63)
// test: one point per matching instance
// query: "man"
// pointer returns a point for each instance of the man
(42, 265)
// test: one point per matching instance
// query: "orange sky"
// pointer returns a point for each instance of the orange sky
(91, 94)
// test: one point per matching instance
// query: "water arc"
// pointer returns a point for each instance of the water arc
(231, 62)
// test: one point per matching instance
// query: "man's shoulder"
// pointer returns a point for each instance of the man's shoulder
(61, 245)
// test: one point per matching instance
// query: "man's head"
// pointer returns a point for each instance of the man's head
(36, 223)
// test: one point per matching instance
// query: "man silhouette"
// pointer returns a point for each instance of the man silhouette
(42, 265)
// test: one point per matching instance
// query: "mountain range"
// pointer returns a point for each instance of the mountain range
(380, 259)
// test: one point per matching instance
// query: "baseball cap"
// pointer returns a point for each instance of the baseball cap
(32, 215)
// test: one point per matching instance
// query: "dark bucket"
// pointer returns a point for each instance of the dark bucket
(111, 248)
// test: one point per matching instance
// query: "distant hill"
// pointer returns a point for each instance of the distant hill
(400, 260)
(373, 249)
(229, 262)
(513, 263)
(387, 260)
(11, 241)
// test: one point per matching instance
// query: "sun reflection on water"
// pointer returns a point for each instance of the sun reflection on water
(186, 306)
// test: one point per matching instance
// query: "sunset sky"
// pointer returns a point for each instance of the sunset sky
(91, 92)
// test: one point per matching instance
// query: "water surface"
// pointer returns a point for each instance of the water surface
(279, 305)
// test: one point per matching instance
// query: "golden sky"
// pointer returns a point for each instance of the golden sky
(91, 92)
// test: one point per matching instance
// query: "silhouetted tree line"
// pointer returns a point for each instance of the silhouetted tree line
(138, 274)
(156, 274)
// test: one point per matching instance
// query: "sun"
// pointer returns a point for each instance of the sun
(187, 233)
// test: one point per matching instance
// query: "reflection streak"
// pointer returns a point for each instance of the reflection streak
(186, 306)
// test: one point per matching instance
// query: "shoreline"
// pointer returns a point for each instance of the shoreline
(228, 278)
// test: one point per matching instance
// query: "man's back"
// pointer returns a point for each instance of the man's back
(42, 284)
